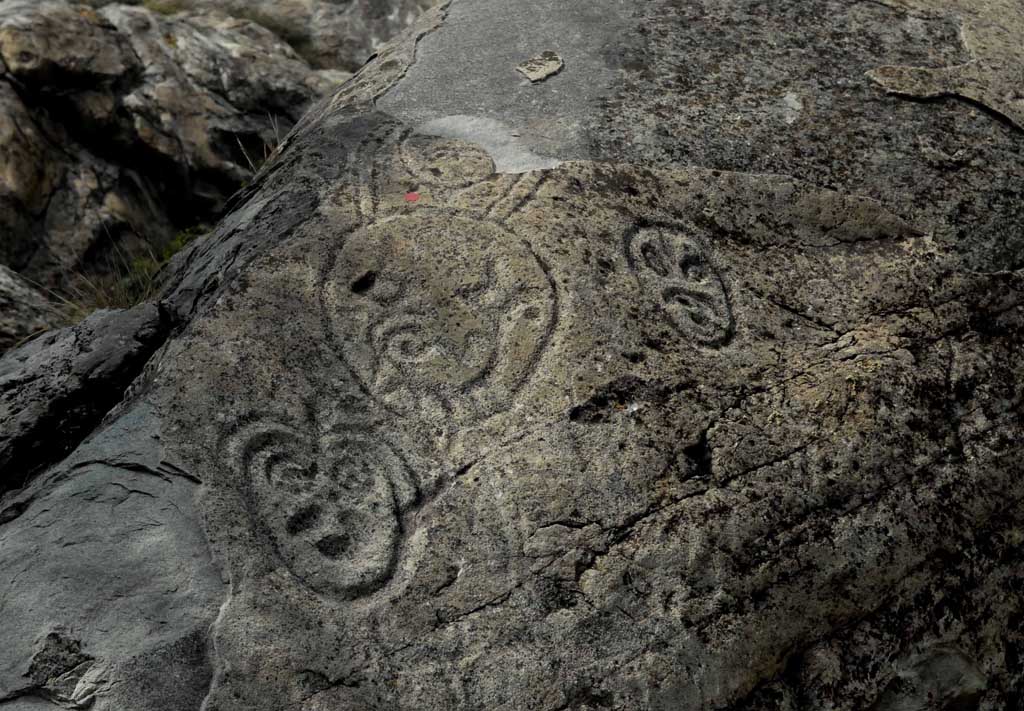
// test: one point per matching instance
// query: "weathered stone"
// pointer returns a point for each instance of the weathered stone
(626, 390)
(122, 126)
(24, 310)
(55, 389)
(329, 34)
(992, 78)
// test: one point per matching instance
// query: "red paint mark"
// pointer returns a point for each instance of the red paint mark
(412, 197)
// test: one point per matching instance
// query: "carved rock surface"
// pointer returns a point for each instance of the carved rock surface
(120, 127)
(687, 378)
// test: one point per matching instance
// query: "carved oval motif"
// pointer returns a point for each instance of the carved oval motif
(439, 311)
(674, 269)
(443, 161)
(331, 506)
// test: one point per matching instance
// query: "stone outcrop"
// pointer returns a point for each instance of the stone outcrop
(330, 34)
(24, 310)
(685, 378)
(121, 127)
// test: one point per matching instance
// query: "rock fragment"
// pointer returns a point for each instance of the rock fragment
(541, 67)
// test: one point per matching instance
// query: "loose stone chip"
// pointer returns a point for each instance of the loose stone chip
(541, 67)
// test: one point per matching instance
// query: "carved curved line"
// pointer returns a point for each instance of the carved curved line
(376, 165)
(246, 442)
(629, 237)
(530, 195)
(403, 514)
(727, 332)
(364, 169)
(553, 319)
(327, 327)
(492, 206)
(327, 323)
(418, 170)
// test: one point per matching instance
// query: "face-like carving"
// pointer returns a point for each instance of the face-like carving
(437, 311)
(674, 270)
(440, 161)
(331, 507)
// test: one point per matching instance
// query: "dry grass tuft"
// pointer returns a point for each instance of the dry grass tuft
(127, 282)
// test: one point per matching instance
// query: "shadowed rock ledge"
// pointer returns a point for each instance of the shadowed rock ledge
(686, 377)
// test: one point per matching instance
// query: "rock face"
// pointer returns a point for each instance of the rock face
(24, 310)
(686, 378)
(121, 127)
(330, 34)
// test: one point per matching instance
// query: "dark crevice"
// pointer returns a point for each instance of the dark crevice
(619, 394)
(700, 454)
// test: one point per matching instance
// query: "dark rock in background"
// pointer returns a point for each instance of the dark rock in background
(686, 378)
(123, 126)
(329, 34)
(24, 310)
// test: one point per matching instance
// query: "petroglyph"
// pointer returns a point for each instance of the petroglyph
(673, 267)
(439, 311)
(450, 163)
(522, 349)
(331, 504)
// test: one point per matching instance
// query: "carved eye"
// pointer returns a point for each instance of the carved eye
(333, 546)
(691, 266)
(655, 258)
(303, 519)
(372, 284)
(408, 345)
(272, 453)
(364, 283)
(670, 255)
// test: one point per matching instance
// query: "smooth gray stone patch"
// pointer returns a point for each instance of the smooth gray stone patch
(467, 67)
(505, 147)
(109, 554)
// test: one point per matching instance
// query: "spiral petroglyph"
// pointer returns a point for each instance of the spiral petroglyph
(426, 316)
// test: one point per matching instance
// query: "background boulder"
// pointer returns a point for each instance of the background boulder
(125, 126)
(24, 310)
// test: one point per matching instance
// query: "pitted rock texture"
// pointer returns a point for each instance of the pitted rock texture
(992, 78)
(121, 127)
(627, 432)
